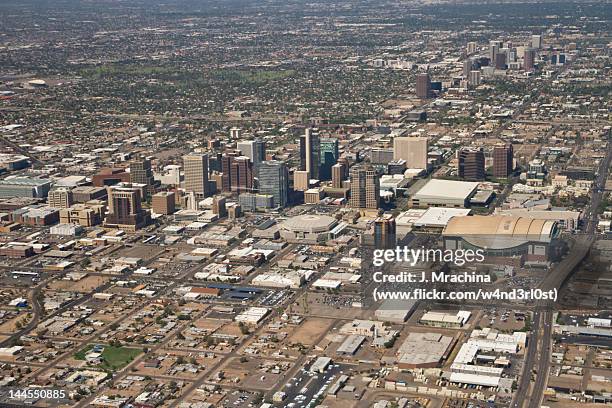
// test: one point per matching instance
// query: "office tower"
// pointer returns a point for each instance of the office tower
(235, 133)
(163, 203)
(214, 161)
(413, 150)
(254, 150)
(529, 59)
(338, 175)
(474, 78)
(553, 59)
(472, 47)
(365, 188)
(500, 60)
(329, 157)
(241, 174)
(312, 153)
(562, 59)
(274, 181)
(467, 67)
(60, 197)
(536, 169)
(169, 176)
(381, 156)
(141, 173)
(471, 164)
(302, 153)
(503, 157)
(423, 85)
(301, 180)
(494, 47)
(384, 232)
(536, 41)
(124, 207)
(218, 206)
(196, 173)
(234, 211)
(237, 173)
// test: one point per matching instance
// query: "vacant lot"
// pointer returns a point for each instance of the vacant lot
(310, 331)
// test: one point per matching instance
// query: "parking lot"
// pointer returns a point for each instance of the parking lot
(307, 389)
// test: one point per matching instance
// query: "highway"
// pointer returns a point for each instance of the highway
(543, 315)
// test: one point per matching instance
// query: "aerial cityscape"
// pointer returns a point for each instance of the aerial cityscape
(300, 204)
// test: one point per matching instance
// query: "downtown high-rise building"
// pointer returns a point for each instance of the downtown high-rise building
(474, 79)
(503, 160)
(125, 207)
(254, 150)
(141, 173)
(411, 149)
(471, 164)
(529, 59)
(329, 157)
(381, 156)
(494, 47)
(365, 188)
(60, 197)
(301, 180)
(385, 232)
(338, 175)
(310, 153)
(274, 181)
(500, 61)
(195, 167)
(536, 41)
(163, 202)
(237, 173)
(468, 65)
(423, 85)
(472, 47)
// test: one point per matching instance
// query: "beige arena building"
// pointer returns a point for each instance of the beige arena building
(504, 236)
(310, 228)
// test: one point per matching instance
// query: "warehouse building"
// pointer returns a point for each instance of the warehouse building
(30, 187)
(444, 193)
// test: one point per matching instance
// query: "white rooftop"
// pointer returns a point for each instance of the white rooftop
(447, 189)
(439, 216)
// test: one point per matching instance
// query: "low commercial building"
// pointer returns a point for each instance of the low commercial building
(13, 250)
(30, 187)
(320, 365)
(423, 350)
(252, 315)
(70, 230)
(85, 215)
(448, 320)
(444, 193)
(83, 194)
(351, 344)
(36, 216)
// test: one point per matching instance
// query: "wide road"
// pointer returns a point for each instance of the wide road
(543, 319)
(523, 386)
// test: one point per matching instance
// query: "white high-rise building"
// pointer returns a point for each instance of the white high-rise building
(196, 173)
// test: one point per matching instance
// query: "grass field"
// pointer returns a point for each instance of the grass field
(114, 358)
